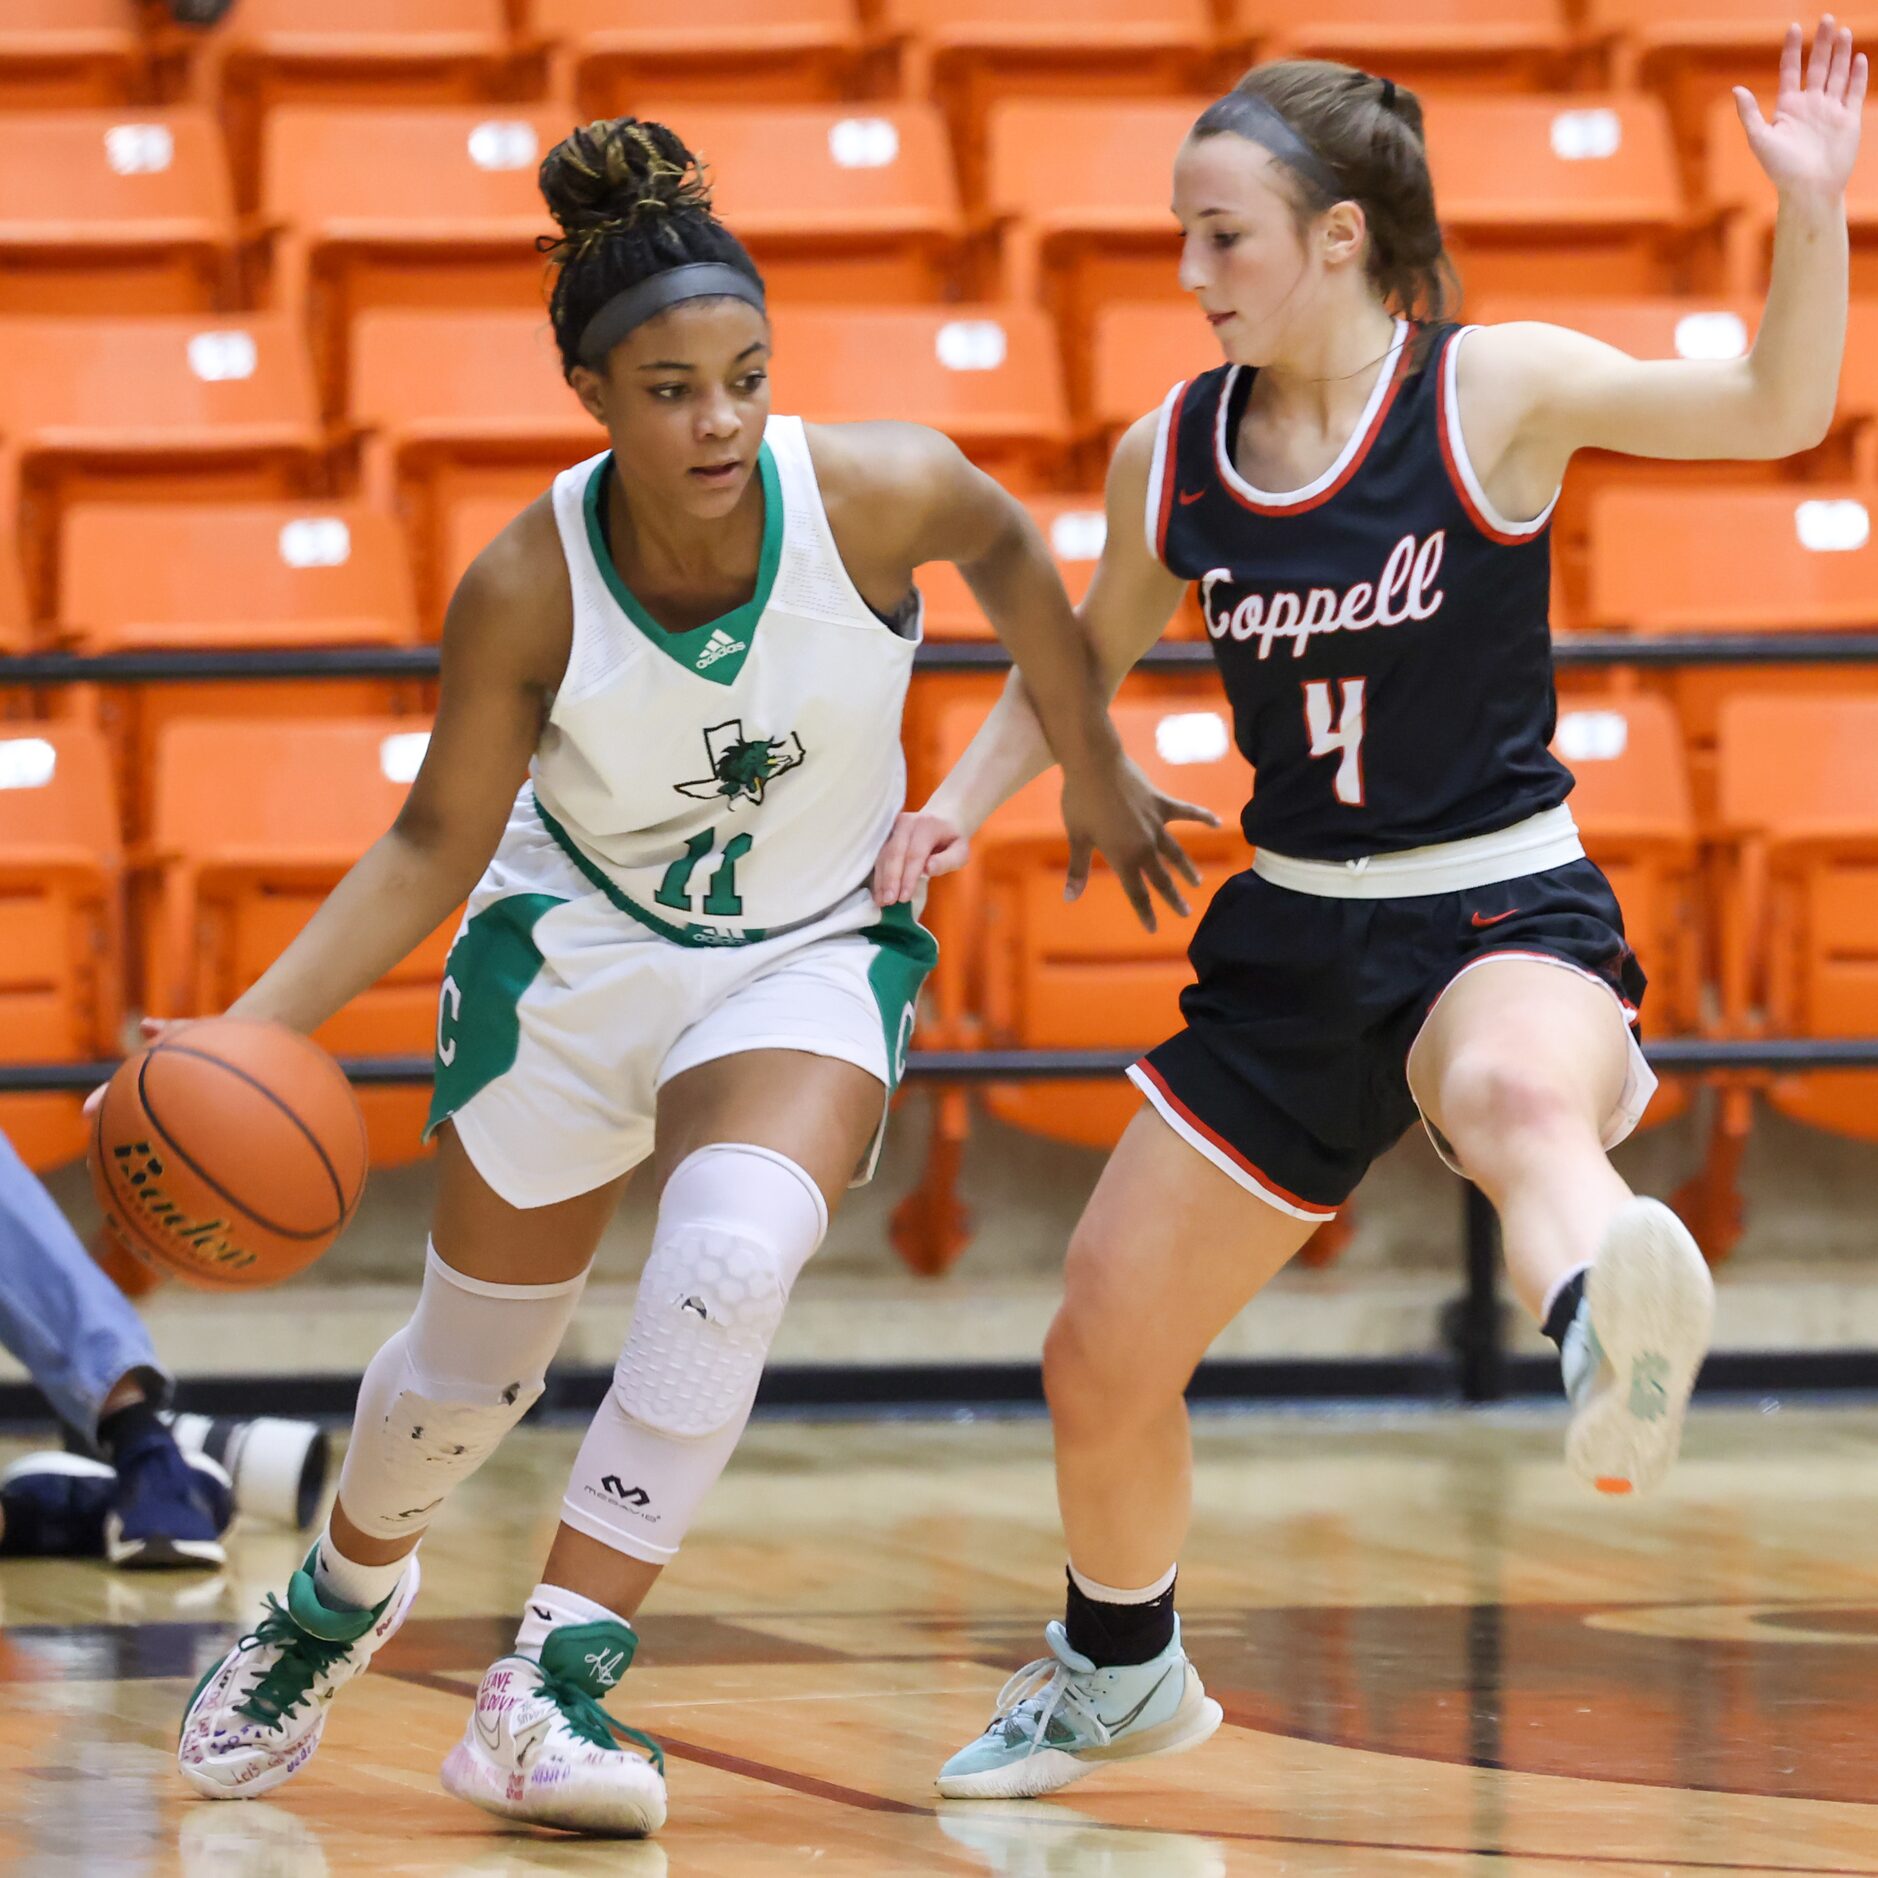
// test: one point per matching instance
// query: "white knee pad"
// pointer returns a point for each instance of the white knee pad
(438, 1398)
(736, 1225)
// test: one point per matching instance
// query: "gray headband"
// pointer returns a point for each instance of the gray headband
(696, 280)
(1247, 115)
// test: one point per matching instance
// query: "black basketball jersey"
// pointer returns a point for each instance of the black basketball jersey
(1382, 634)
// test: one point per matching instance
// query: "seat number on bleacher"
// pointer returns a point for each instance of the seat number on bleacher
(1337, 730)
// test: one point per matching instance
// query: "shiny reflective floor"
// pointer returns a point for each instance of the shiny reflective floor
(1435, 1656)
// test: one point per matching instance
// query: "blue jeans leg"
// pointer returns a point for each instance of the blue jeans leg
(70, 1326)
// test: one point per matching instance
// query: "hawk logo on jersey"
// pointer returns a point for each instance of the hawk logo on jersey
(742, 768)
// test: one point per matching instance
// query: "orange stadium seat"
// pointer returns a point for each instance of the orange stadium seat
(377, 53)
(16, 620)
(603, 54)
(453, 407)
(470, 523)
(103, 209)
(986, 375)
(152, 577)
(70, 54)
(240, 871)
(1634, 808)
(1073, 526)
(836, 202)
(60, 922)
(967, 54)
(1557, 193)
(435, 208)
(1799, 797)
(1496, 45)
(173, 408)
(1667, 327)
(1088, 976)
(1079, 201)
(1692, 53)
(1142, 350)
(1740, 196)
(1790, 558)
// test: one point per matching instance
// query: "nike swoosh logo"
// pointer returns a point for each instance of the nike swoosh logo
(1128, 1720)
(1480, 919)
(486, 1732)
(1188, 497)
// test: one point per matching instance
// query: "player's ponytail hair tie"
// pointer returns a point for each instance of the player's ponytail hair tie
(1388, 94)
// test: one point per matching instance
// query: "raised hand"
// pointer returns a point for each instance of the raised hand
(1812, 141)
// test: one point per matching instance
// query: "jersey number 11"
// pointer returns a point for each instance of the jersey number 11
(723, 898)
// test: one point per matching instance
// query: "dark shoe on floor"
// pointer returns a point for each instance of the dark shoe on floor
(53, 1506)
(169, 1509)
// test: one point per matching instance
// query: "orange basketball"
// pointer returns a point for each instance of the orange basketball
(228, 1154)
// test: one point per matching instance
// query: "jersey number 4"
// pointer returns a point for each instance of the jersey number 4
(722, 898)
(1340, 736)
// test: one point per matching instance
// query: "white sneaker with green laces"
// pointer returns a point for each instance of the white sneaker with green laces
(539, 1747)
(255, 1718)
(1632, 1353)
(1061, 1717)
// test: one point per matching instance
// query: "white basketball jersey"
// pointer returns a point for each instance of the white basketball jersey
(738, 778)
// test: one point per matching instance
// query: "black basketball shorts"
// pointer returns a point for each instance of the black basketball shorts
(1291, 1074)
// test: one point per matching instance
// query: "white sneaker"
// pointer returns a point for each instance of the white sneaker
(1061, 1717)
(538, 1746)
(1632, 1353)
(256, 1716)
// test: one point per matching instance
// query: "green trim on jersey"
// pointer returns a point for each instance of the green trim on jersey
(717, 649)
(489, 968)
(689, 934)
(904, 952)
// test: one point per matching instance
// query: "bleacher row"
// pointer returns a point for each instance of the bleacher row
(273, 367)
(1760, 921)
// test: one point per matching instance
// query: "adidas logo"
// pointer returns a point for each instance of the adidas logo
(721, 646)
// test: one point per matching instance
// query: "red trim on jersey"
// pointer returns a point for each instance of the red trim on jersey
(1170, 457)
(1455, 478)
(1279, 510)
(1256, 1175)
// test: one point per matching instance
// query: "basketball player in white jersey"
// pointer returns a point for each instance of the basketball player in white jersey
(1362, 491)
(665, 761)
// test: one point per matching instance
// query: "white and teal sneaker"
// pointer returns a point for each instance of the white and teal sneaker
(1060, 1718)
(1631, 1355)
(539, 1747)
(255, 1718)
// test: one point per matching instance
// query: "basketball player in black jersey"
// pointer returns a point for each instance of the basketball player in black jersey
(1361, 493)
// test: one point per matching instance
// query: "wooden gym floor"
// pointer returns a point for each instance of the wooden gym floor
(1435, 1655)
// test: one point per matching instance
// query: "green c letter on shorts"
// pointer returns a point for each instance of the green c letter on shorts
(478, 1024)
(904, 952)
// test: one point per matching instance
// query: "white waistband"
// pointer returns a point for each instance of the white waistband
(1548, 839)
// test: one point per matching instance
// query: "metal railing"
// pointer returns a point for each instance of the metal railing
(1475, 1328)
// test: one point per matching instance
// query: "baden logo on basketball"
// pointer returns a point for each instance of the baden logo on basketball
(203, 1243)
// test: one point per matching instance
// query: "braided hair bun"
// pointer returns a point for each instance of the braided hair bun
(631, 201)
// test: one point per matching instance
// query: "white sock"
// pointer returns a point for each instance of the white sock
(551, 1606)
(344, 1584)
(1108, 1594)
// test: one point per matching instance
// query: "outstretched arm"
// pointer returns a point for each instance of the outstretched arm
(1128, 604)
(1547, 391)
